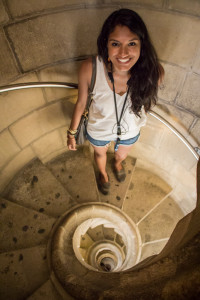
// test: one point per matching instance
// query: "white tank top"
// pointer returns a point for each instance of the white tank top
(102, 123)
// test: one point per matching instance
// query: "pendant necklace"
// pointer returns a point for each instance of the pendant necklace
(110, 75)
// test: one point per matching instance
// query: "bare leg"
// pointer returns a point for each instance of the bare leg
(100, 158)
(121, 155)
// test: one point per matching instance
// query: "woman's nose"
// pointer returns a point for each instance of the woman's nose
(123, 51)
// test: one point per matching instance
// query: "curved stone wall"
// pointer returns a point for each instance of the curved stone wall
(47, 42)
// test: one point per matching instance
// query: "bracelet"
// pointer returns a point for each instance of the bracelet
(72, 132)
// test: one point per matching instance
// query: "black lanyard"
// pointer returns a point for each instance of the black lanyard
(115, 101)
(122, 111)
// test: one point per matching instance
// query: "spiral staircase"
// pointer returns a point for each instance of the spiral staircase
(61, 238)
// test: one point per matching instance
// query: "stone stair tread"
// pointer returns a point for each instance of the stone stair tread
(35, 187)
(22, 227)
(145, 191)
(22, 272)
(118, 190)
(75, 171)
(47, 292)
(152, 249)
(160, 223)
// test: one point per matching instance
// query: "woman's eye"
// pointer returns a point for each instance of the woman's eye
(114, 44)
(132, 44)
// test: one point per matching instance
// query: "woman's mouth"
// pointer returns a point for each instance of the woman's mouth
(123, 60)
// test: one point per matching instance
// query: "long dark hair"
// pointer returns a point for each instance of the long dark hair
(145, 73)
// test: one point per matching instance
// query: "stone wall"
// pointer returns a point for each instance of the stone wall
(47, 40)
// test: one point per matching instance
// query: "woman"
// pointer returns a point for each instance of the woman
(128, 74)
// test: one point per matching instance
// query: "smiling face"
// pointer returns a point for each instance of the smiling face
(123, 48)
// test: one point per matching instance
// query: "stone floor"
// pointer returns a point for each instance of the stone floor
(41, 193)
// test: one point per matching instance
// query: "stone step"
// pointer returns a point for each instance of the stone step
(22, 227)
(48, 292)
(118, 190)
(22, 272)
(74, 170)
(160, 223)
(145, 191)
(35, 187)
(152, 248)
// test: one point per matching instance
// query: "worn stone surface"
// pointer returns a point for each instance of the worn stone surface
(47, 291)
(152, 248)
(191, 7)
(196, 131)
(8, 68)
(14, 166)
(196, 65)
(168, 33)
(48, 144)
(148, 135)
(66, 72)
(22, 227)
(38, 123)
(22, 7)
(180, 119)
(16, 104)
(189, 97)
(177, 151)
(52, 44)
(75, 171)
(161, 222)
(145, 191)
(118, 190)
(22, 271)
(8, 148)
(37, 188)
(3, 14)
(173, 81)
(151, 3)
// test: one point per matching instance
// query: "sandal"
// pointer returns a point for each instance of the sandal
(120, 175)
(104, 187)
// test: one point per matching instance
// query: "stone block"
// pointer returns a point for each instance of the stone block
(191, 7)
(26, 271)
(8, 148)
(67, 108)
(67, 72)
(196, 65)
(152, 248)
(196, 131)
(178, 118)
(145, 191)
(48, 144)
(55, 37)
(38, 123)
(48, 291)
(14, 166)
(189, 97)
(151, 3)
(174, 148)
(8, 67)
(20, 8)
(3, 14)
(175, 37)
(15, 104)
(152, 133)
(161, 222)
(63, 133)
(173, 81)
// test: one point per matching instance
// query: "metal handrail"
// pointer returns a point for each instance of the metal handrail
(28, 85)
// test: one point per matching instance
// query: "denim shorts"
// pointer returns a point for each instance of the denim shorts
(98, 143)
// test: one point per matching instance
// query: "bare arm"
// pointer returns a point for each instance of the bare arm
(84, 79)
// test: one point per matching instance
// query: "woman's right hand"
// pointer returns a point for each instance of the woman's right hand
(71, 143)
